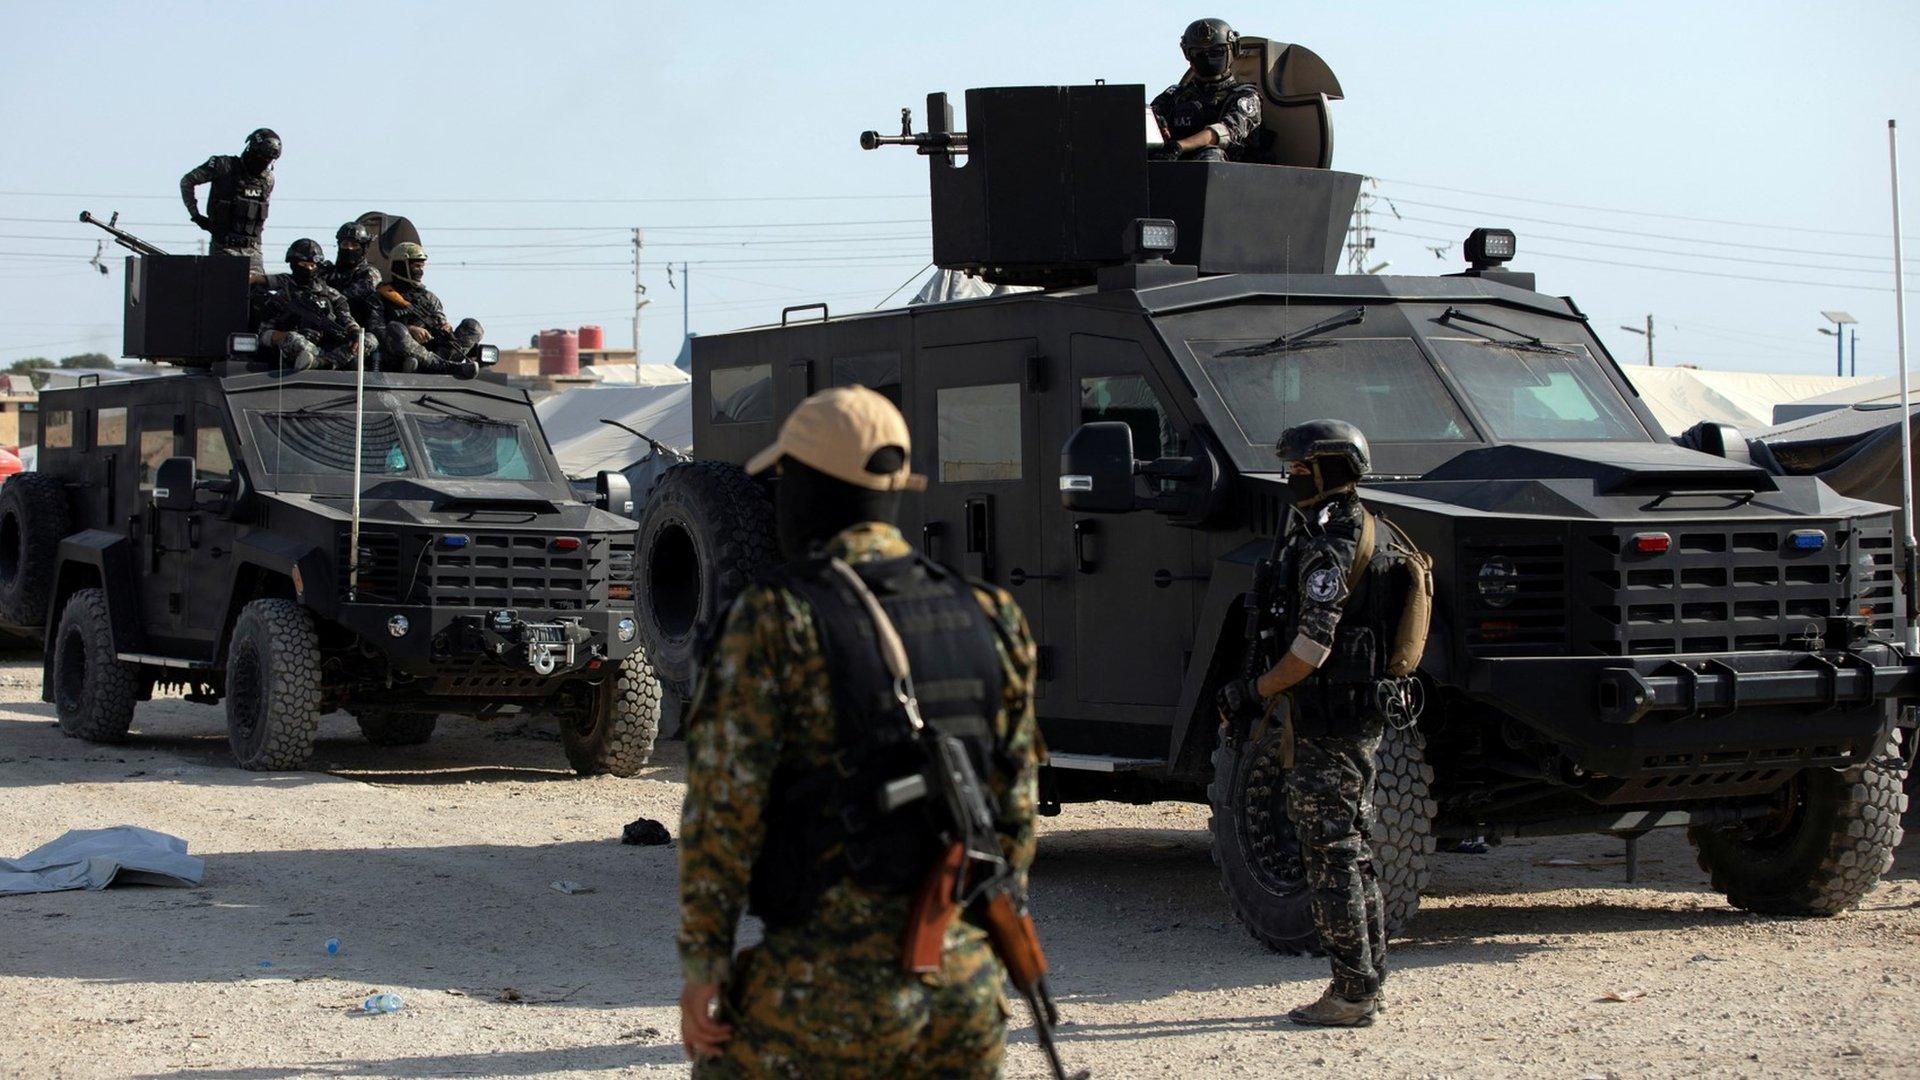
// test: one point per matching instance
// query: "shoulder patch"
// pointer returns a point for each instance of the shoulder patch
(1249, 103)
(1323, 584)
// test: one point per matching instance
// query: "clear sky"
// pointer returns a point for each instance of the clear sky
(1721, 166)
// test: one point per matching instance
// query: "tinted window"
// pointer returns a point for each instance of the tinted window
(1535, 393)
(212, 457)
(155, 447)
(979, 433)
(1128, 398)
(742, 395)
(56, 429)
(460, 447)
(875, 371)
(322, 442)
(1383, 385)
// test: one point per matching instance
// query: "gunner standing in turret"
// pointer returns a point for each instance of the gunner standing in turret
(239, 187)
(1208, 116)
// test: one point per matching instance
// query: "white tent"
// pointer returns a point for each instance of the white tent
(946, 285)
(586, 447)
(623, 374)
(1863, 391)
(1682, 397)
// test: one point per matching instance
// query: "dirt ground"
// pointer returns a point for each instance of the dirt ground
(434, 867)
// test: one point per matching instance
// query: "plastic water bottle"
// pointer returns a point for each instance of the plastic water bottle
(333, 946)
(382, 1003)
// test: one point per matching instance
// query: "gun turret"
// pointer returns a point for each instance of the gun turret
(926, 142)
(121, 236)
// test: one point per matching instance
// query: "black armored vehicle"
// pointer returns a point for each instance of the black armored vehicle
(211, 531)
(1627, 633)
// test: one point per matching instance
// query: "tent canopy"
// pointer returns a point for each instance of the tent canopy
(587, 447)
(1682, 397)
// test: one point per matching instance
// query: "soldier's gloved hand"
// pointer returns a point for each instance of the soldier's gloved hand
(419, 334)
(1239, 698)
(203, 221)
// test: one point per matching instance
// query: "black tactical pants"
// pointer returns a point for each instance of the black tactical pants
(400, 352)
(1330, 800)
(241, 246)
(297, 352)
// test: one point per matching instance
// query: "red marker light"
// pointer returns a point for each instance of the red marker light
(1651, 543)
(566, 543)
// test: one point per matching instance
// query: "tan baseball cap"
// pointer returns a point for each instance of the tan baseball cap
(837, 432)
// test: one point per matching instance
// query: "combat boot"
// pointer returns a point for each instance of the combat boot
(1332, 1010)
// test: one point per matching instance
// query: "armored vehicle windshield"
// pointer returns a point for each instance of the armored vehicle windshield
(415, 444)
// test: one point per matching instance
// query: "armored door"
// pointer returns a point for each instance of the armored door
(163, 535)
(975, 426)
(1133, 576)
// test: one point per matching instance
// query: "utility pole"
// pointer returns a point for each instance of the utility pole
(1853, 351)
(686, 305)
(1646, 333)
(639, 301)
(1841, 321)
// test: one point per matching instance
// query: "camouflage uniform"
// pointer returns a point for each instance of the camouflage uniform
(1232, 110)
(1337, 731)
(358, 284)
(236, 204)
(403, 306)
(826, 996)
(304, 346)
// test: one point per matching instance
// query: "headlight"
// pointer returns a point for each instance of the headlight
(625, 629)
(1498, 581)
(397, 625)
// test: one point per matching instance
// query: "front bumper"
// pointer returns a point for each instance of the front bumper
(442, 642)
(1644, 716)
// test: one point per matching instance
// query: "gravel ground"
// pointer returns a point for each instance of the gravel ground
(434, 866)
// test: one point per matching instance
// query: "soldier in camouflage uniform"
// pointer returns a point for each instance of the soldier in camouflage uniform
(414, 334)
(306, 321)
(1209, 116)
(237, 195)
(1337, 725)
(825, 993)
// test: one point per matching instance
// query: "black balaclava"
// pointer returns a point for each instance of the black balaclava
(810, 507)
(1327, 475)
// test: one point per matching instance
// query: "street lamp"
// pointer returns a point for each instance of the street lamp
(1839, 319)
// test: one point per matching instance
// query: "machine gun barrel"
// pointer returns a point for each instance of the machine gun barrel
(121, 236)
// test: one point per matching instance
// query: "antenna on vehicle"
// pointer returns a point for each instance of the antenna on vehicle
(1908, 557)
(359, 441)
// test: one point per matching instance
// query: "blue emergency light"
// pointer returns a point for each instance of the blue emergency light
(1807, 540)
(453, 540)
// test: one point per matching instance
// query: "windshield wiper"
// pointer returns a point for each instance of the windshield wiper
(451, 409)
(1531, 343)
(658, 447)
(1286, 342)
(319, 406)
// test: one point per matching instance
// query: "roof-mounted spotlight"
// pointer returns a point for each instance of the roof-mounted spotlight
(1489, 248)
(1151, 239)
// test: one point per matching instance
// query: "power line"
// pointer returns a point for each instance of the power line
(595, 200)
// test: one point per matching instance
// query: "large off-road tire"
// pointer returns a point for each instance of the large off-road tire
(386, 728)
(273, 686)
(93, 689)
(1258, 853)
(704, 534)
(614, 732)
(1834, 835)
(34, 518)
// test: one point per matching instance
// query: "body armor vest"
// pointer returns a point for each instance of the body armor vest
(825, 824)
(237, 204)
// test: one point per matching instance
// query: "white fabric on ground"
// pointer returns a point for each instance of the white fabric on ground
(96, 858)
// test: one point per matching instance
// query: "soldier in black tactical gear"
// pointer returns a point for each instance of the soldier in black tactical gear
(414, 332)
(1208, 116)
(350, 272)
(305, 321)
(240, 187)
(1332, 668)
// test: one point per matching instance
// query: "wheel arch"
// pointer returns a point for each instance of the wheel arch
(92, 559)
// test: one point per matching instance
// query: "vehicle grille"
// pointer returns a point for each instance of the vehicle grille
(1530, 619)
(1878, 598)
(1737, 588)
(513, 570)
(379, 566)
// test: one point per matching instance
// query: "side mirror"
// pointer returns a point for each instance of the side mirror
(488, 355)
(173, 484)
(1097, 468)
(613, 492)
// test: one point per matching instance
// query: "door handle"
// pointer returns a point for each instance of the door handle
(1081, 529)
(1018, 577)
(1163, 579)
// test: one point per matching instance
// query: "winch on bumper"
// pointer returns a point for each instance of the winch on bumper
(541, 647)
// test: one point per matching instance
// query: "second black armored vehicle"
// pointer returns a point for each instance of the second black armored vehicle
(1627, 633)
(231, 532)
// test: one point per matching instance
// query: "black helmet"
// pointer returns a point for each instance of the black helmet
(1208, 46)
(305, 250)
(263, 147)
(1318, 444)
(355, 232)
